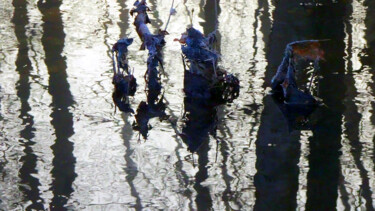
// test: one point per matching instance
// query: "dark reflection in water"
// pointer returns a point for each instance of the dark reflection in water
(277, 149)
(62, 120)
(154, 107)
(131, 166)
(200, 118)
(29, 184)
(286, 160)
(199, 123)
(156, 22)
(127, 131)
(325, 144)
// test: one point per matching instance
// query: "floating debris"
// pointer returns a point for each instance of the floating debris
(284, 81)
(206, 86)
(296, 105)
(203, 78)
(125, 85)
(154, 43)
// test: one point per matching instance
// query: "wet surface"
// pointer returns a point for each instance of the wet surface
(63, 146)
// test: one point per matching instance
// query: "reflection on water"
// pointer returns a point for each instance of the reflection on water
(62, 145)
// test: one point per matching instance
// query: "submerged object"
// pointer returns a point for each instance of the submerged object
(203, 78)
(200, 121)
(205, 85)
(295, 104)
(154, 107)
(124, 85)
(285, 82)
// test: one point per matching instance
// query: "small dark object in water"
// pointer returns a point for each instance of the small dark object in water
(203, 78)
(284, 81)
(200, 121)
(124, 86)
(121, 50)
(154, 107)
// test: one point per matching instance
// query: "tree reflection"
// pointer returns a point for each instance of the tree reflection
(62, 100)
(23, 67)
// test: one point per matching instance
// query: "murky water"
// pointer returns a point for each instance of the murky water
(62, 145)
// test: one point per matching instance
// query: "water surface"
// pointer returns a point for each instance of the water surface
(62, 146)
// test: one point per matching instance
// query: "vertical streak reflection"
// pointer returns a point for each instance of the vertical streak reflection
(62, 120)
(244, 27)
(131, 169)
(325, 144)
(23, 64)
(277, 147)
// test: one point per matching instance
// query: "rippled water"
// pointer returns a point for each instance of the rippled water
(62, 145)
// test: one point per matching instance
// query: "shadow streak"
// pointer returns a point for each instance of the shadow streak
(29, 182)
(62, 100)
(325, 144)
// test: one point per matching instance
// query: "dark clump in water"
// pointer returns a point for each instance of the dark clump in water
(296, 105)
(284, 81)
(200, 120)
(154, 107)
(125, 86)
(205, 85)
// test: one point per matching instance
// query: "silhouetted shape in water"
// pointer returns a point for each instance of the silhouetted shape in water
(200, 120)
(53, 39)
(30, 183)
(297, 116)
(295, 104)
(154, 107)
(125, 86)
(153, 43)
(284, 81)
(203, 79)
(205, 86)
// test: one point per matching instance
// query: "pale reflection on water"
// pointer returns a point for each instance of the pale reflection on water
(62, 145)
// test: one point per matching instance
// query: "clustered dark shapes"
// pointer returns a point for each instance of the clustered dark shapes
(205, 85)
(203, 77)
(296, 105)
(125, 85)
(284, 81)
(154, 43)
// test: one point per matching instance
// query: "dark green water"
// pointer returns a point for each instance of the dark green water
(62, 147)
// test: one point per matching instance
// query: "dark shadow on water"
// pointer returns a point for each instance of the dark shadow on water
(325, 144)
(131, 169)
(29, 183)
(154, 107)
(297, 116)
(199, 122)
(277, 147)
(278, 152)
(53, 39)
